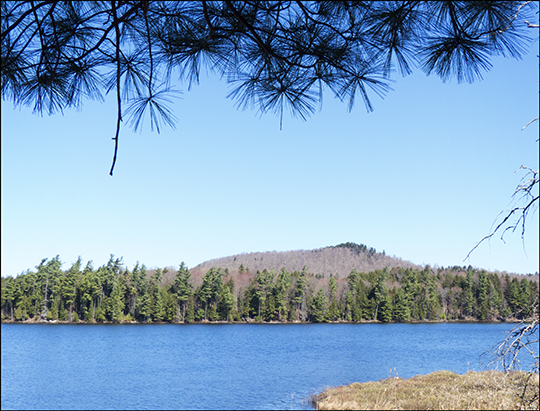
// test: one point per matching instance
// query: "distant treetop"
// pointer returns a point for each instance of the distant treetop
(357, 248)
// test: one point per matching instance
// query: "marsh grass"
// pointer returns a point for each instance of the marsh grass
(446, 390)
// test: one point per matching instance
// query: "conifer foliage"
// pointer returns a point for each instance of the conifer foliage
(277, 55)
(113, 293)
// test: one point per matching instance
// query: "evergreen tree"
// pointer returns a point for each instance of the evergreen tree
(116, 303)
(283, 282)
(401, 311)
(334, 310)
(184, 289)
(332, 285)
(155, 295)
(411, 290)
(212, 282)
(53, 274)
(512, 295)
(190, 314)
(524, 299)
(483, 296)
(300, 294)
(8, 295)
(52, 313)
(142, 285)
(380, 297)
(433, 306)
(263, 283)
(226, 301)
(69, 286)
(85, 292)
(349, 302)
(55, 53)
(385, 310)
(166, 309)
(145, 309)
(270, 308)
(43, 280)
(467, 295)
(319, 306)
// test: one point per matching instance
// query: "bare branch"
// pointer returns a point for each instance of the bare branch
(523, 338)
(116, 24)
(529, 123)
(525, 190)
(517, 13)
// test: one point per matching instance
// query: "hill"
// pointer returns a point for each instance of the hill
(347, 282)
(338, 260)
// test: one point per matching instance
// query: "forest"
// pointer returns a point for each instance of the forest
(114, 293)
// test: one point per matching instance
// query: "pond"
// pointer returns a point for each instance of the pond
(225, 366)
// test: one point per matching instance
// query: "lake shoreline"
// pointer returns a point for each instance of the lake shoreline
(207, 322)
(482, 390)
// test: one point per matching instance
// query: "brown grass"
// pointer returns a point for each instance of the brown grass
(440, 390)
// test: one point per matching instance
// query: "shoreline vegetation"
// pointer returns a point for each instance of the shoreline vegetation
(251, 321)
(114, 293)
(444, 390)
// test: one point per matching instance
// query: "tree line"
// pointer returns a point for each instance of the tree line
(113, 293)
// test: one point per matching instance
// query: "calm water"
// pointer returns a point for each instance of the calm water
(229, 366)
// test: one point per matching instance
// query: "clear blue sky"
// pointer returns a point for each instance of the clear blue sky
(423, 177)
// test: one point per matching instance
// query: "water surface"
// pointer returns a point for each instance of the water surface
(226, 366)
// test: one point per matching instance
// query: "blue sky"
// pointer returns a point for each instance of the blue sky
(423, 177)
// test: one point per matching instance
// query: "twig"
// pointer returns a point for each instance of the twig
(118, 96)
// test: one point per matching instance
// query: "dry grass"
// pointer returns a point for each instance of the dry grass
(441, 390)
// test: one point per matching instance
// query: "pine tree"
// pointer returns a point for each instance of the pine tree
(401, 311)
(380, 297)
(206, 291)
(184, 289)
(348, 309)
(434, 311)
(69, 286)
(281, 288)
(116, 302)
(385, 309)
(483, 296)
(300, 294)
(318, 307)
(145, 309)
(226, 301)
(467, 295)
(190, 314)
(524, 298)
(58, 54)
(411, 289)
(8, 294)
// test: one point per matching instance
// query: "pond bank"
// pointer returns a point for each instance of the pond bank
(251, 321)
(485, 390)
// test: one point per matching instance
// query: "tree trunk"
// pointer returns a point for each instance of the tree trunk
(45, 301)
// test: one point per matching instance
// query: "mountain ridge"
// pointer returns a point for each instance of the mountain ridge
(338, 260)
